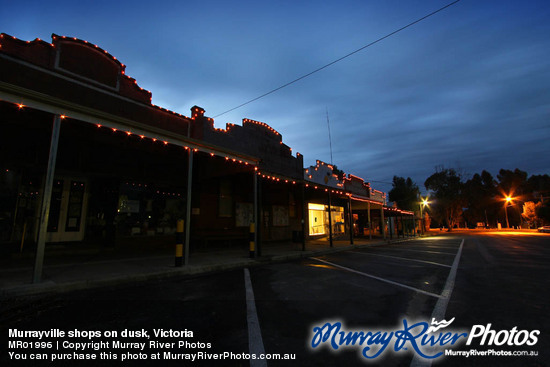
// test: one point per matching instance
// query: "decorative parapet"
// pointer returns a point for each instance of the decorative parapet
(254, 138)
(378, 196)
(73, 71)
(77, 59)
(323, 174)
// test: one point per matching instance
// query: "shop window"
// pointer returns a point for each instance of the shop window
(337, 215)
(319, 219)
(55, 206)
(74, 209)
(316, 219)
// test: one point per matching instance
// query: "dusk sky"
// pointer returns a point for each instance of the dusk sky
(467, 88)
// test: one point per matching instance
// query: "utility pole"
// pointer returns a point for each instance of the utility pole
(329, 137)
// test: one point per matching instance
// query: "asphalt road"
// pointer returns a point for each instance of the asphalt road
(497, 279)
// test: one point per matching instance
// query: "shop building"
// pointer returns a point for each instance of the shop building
(344, 206)
(86, 157)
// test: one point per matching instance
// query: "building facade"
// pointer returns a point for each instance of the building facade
(86, 157)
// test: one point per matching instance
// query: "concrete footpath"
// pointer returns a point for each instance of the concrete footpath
(69, 268)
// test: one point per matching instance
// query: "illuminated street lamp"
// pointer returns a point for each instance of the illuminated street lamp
(424, 202)
(508, 200)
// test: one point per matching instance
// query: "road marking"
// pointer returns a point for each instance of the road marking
(402, 258)
(440, 308)
(430, 252)
(438, 246)
(255, 342)
(378, 278)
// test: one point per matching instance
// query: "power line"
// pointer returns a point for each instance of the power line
(384, 182)
(339, 59)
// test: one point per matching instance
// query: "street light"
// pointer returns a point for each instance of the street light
(424, 202)
(508, 200)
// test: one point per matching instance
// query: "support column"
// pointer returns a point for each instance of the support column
(369, 220)
(329, 220)
(391, 226)
(255, 215)
(188, 209)
(422, 220)
(350, 222)
(179, 243)
(382, 222)
(304, 214)
(260, 226)
(46, 200)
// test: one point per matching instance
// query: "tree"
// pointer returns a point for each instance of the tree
(543, 212)
(405, 193)
(479, 193)
(427, 222)
(530, 213)
(539, 185)
(513, 184)
(446, 187)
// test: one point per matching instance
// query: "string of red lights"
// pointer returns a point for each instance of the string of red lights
(196, 113)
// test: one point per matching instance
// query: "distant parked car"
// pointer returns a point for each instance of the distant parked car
(544, 229)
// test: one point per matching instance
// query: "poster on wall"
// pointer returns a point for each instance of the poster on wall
(244, 214)
(280, 216)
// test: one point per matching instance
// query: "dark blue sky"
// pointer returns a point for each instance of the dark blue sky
(468, 88)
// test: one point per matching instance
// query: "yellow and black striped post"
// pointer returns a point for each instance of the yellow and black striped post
(252, 240)
(179, 243)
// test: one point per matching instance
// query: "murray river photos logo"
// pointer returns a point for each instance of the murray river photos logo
(426, 340)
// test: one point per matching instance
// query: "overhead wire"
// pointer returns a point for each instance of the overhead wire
(340, 58)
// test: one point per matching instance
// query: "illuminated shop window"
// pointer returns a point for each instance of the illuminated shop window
(316, 219)
(319, 219)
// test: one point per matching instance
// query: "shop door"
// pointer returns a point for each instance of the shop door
(67, 210)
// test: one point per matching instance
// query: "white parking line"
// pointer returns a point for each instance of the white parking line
(255, 342)
(429, 252)
(378, 278)
(402, 258)
(433, 247)
(440, 308)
